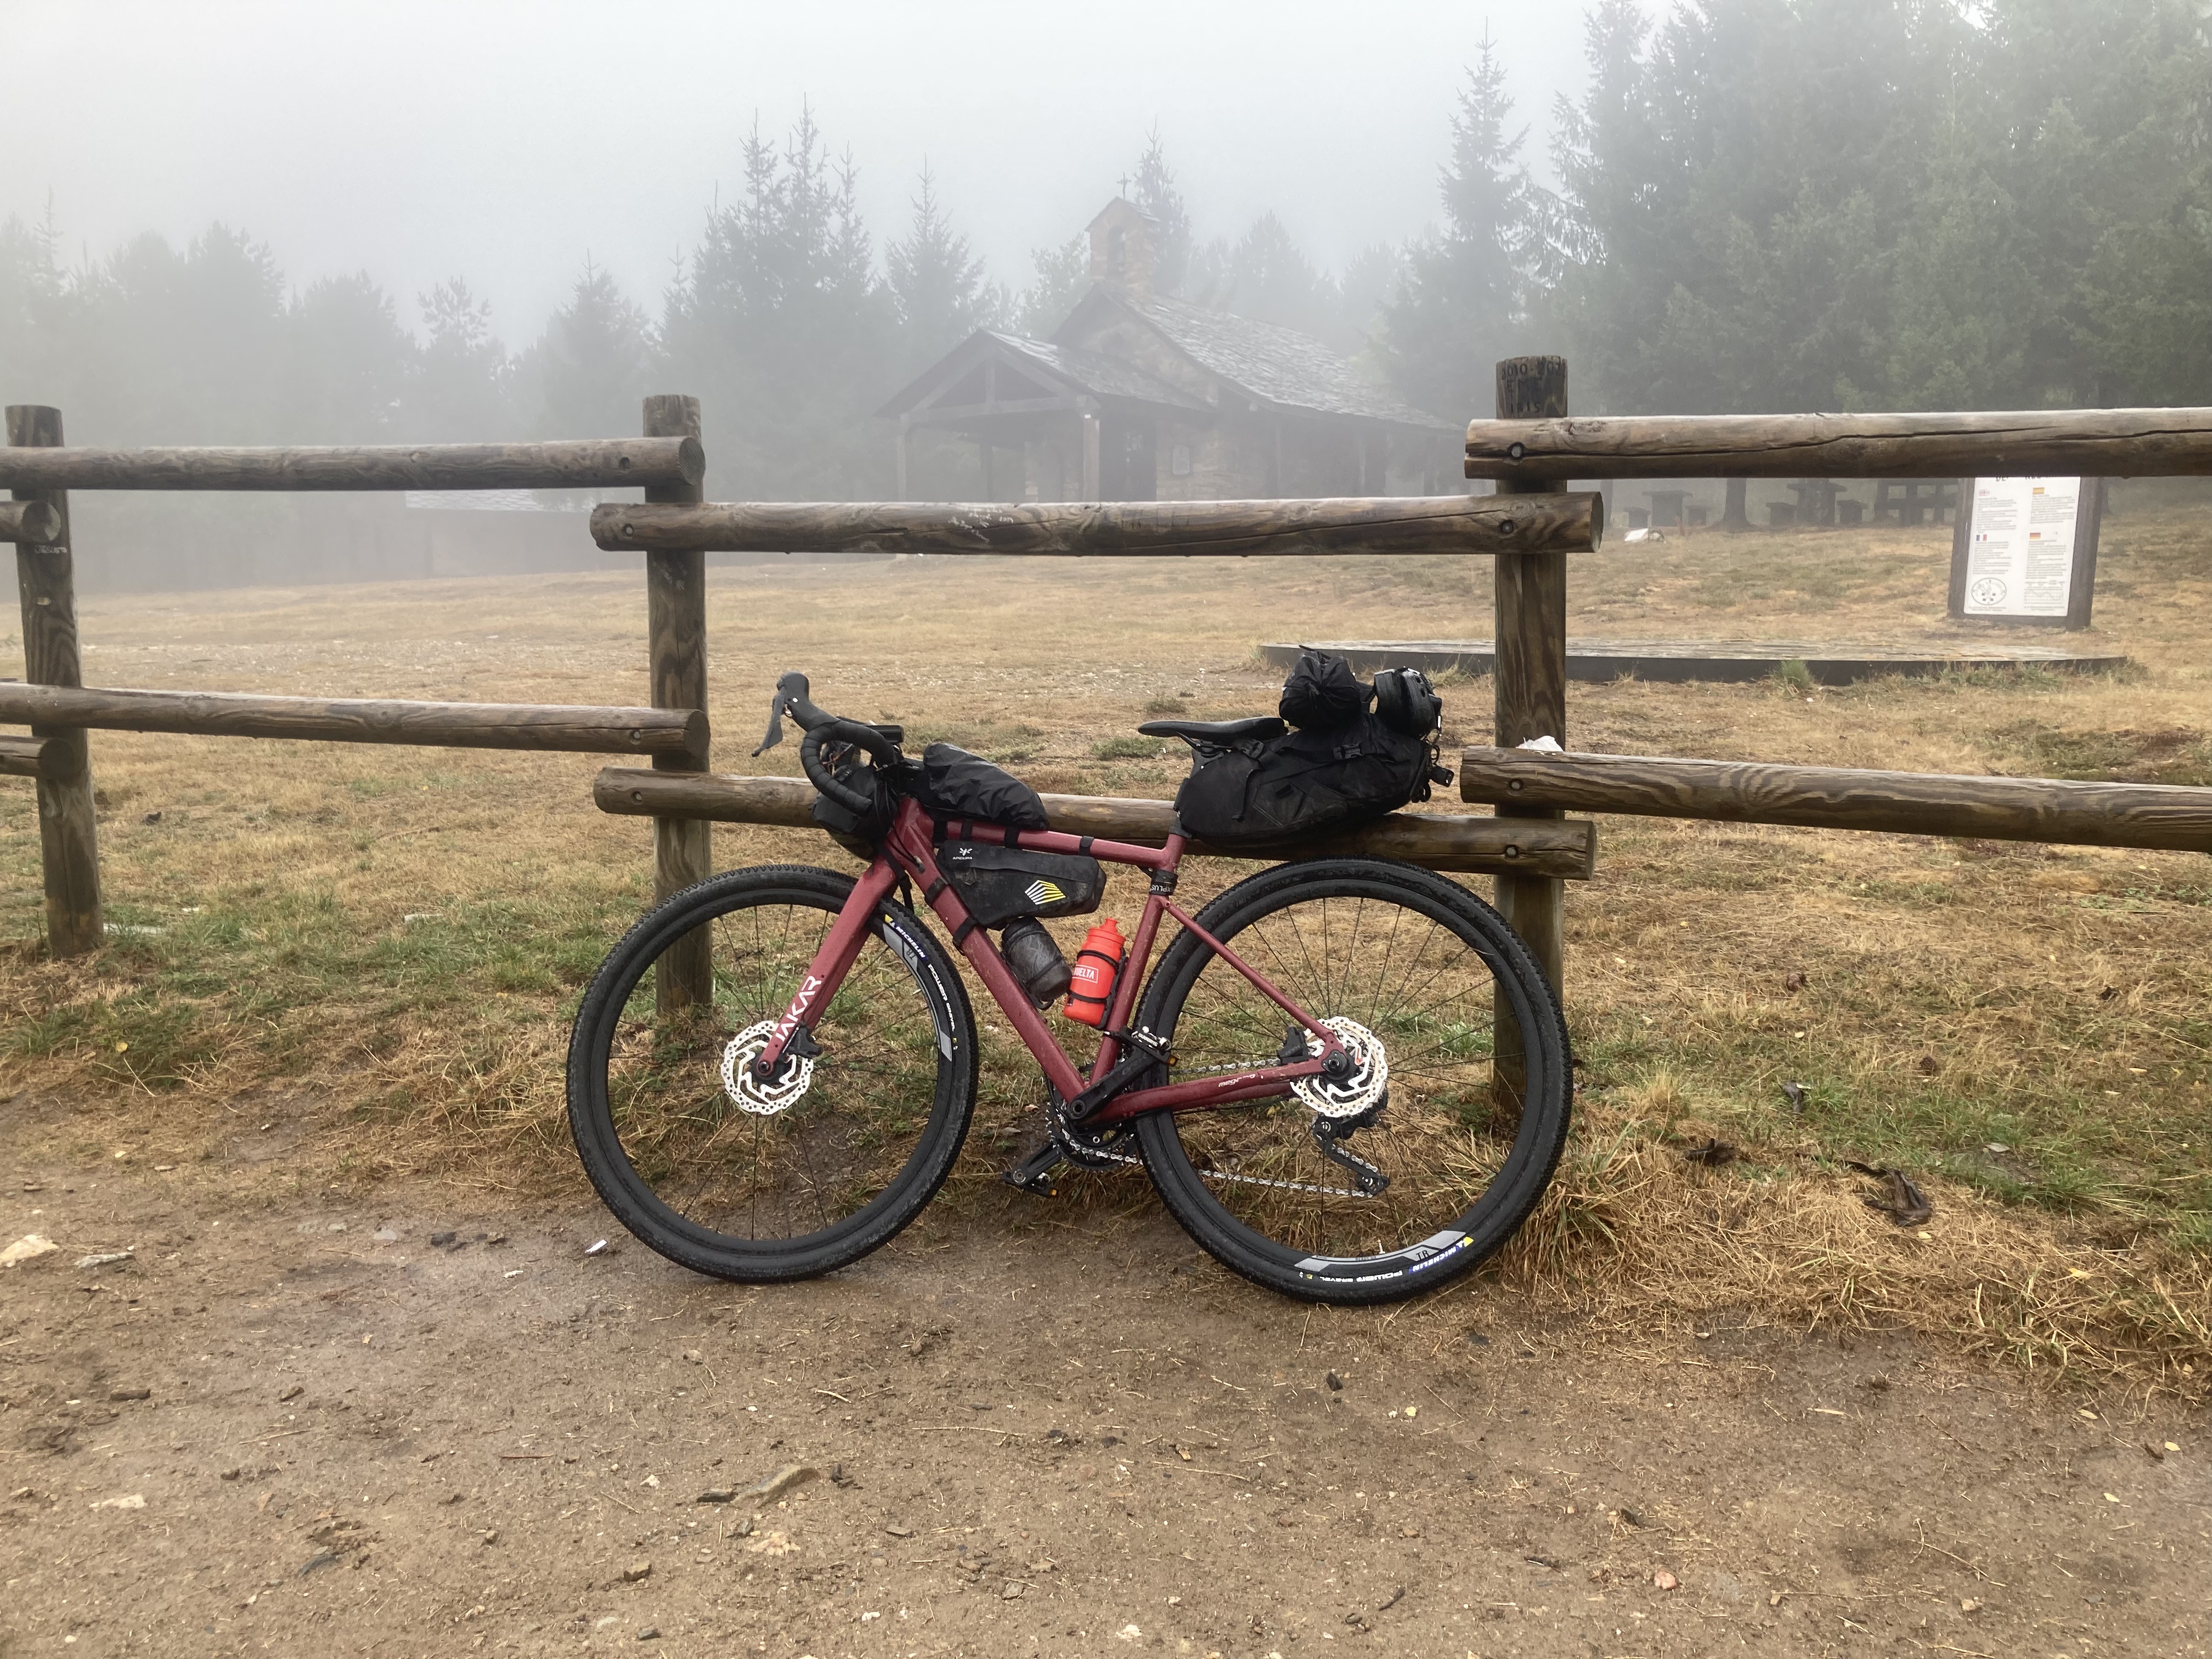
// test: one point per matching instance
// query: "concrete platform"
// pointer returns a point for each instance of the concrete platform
(1831, 662)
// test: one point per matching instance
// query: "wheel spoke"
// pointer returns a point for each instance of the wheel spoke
(1414, 972)
(753, 1172)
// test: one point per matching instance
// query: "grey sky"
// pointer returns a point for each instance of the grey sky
(504, 142)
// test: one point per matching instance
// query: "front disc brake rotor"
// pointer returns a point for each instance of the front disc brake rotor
(1364, 1088)
(745, 1090)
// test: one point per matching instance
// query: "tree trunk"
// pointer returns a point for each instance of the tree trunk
(1736, 517)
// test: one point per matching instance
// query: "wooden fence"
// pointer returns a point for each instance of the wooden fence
(674, 530)
(1529, 450)
(53, 700)
(1534, 444)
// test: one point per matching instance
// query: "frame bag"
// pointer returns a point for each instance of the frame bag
(1000, 884)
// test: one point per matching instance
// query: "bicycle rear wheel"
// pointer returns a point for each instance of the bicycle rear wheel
(1420, 970)
(795, 1180)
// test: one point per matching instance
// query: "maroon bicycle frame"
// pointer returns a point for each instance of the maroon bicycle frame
(910, 849)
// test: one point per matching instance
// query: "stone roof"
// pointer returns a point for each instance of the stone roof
(1094, 372)
(1272, 364)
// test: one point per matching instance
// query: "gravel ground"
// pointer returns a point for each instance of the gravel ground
(412, 1423)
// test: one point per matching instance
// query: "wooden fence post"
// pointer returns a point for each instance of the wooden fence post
(675, 610)
(46, 579)
(1531, 683)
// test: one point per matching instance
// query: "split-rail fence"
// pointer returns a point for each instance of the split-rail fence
(1529, 526)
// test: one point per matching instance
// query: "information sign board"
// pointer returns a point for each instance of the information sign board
(2024, 549)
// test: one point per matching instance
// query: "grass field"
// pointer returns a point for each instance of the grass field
(367, 956)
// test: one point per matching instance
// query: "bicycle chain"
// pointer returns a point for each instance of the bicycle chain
(1242, 1180)
(1105, 1157)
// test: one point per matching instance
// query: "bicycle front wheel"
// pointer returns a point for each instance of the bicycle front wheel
(795, 1179)
(1406, 1175)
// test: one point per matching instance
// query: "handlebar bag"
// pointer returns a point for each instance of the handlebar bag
(1303, 783)
(956, 784)
(1001, 883)
(856, 833)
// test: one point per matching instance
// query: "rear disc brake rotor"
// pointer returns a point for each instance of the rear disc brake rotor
(1364, 1088)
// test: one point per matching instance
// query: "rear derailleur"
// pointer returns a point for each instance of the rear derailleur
(1330, 1132)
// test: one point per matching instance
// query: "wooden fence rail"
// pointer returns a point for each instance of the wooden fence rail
(1548, 523)
(1485, 846)
(577, 463)
(583, 729)
(2115, 443)
(36, 757)
(34, 522)
(2160, 816)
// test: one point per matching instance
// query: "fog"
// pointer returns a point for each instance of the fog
(507, 143)
(840, 226)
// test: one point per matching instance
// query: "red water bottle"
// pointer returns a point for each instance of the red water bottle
(1092, 986)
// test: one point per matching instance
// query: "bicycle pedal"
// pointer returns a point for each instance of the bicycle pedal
(1038, 1174)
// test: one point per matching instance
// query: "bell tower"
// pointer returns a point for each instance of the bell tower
(1121, 248)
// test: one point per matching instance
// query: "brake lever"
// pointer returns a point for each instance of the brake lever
(790, 690)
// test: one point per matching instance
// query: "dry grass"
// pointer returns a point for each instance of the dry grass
(374, 952)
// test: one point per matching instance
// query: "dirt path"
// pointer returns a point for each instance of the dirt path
(284, 1430)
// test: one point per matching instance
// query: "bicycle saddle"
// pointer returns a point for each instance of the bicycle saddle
(1257, 725)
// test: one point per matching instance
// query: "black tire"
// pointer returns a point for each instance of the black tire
(1419, 961)
(762, 1198)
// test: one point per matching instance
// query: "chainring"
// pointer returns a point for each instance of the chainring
(1371, 1072)
(1087, 1149)
(746, 1091)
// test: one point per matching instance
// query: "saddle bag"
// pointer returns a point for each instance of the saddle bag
(1345, 766)
(1305, 783)
(999, 885)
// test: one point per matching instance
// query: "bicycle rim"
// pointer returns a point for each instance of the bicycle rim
(1425, 966)
(711, 1175)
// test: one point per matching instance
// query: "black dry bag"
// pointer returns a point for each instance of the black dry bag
(1320, 693)
(956, 784)
(1343, 767)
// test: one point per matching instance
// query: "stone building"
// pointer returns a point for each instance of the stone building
(1140, 396)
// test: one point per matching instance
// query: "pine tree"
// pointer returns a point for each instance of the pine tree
(1463, 302)
(1369, 284)
(1265, 276)
(1156, 196)
(1063, 276)
(190, 346)
(588, 372)
(784, 327)
(461, 388)
(348, 366)
(33, 298)
(937, 283)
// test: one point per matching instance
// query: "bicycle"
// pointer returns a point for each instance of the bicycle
(1327, 1128)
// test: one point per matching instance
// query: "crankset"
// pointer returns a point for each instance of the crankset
(1068, 1143)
